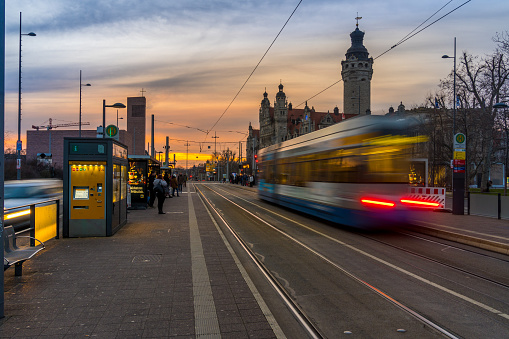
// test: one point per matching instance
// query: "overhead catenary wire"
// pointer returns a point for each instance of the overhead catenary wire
(252, 72)
(409, 36)
(404, 39)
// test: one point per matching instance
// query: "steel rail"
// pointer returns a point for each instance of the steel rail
(294, 308)
(377, 291)
(438, 262)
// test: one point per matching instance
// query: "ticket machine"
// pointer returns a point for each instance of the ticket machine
(95, 187)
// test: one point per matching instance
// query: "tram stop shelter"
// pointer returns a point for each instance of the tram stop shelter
(140, 167)
(95, 187)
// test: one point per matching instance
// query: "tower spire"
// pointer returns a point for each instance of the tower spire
(357, 18)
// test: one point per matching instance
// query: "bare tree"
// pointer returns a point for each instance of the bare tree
(480, 82)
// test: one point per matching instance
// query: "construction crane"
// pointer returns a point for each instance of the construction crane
(51, 126)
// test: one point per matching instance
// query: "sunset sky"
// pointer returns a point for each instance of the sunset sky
(192, 57)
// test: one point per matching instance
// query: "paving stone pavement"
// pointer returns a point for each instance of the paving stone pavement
(136, 284)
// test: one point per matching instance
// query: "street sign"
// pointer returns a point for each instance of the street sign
(460, 141)
(459, 155)
(19, 146)
(459, 165)
(111, 131)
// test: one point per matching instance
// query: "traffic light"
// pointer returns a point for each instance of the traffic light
(256, 158)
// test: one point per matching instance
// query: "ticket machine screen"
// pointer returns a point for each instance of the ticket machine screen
(80, 193)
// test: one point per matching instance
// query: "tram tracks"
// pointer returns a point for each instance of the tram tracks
(438, 262)
(314, 331)
(294, 308)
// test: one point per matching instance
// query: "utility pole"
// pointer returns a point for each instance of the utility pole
(167, 148)
(187, 153)
(240, 152)
(228, 163)
(215, 153)
(153, 149)
(2, 151)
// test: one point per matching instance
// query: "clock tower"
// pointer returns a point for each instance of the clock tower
(357, 71)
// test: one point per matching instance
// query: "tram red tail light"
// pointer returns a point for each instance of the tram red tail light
(377, 203)
(419, 203)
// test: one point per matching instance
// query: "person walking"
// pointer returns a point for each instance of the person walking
(174, 185)
(160, 190)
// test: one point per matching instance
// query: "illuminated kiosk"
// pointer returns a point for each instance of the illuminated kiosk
(95, 187)
(140, 167)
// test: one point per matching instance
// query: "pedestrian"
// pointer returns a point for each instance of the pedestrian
(160, 190)
(167, 179)
(174, 185)
(152, 195)
(180, 181)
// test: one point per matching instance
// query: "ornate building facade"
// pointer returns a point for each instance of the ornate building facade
(282, 122)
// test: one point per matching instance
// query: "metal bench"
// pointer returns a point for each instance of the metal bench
(14, 255)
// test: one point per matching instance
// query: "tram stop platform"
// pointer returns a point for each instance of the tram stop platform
(483, 232)
(172, 276)
(160, 276)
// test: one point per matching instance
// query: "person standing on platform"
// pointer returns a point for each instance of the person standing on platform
(174, 185)
(160, 190)
(180, 181)
(152, 195)
(168, 185)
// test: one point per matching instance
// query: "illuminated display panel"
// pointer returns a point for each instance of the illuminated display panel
(80, 193)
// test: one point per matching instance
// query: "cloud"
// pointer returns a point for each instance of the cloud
(192, 57)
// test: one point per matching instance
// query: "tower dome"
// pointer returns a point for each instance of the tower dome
(280, 94)
(357, 49)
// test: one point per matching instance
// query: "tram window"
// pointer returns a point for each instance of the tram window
(269, 171)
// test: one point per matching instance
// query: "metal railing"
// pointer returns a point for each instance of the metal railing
(493, 205)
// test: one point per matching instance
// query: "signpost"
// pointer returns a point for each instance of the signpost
(458, 175)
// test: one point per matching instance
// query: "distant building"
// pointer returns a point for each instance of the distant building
(52, 140)
(252, 146)
(136, 124)
(283, 122)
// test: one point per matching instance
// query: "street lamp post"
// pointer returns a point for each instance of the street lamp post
(18, 144)
(504, 106)
(121, 118)
(458, 179)
(454, 88)
(81, 85)
(2, 151)
(117, 105)
(159, 157)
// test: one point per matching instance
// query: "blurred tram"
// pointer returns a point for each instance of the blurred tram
(354, 173)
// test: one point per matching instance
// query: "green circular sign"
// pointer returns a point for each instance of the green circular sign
(460, 138)
(111, 130)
